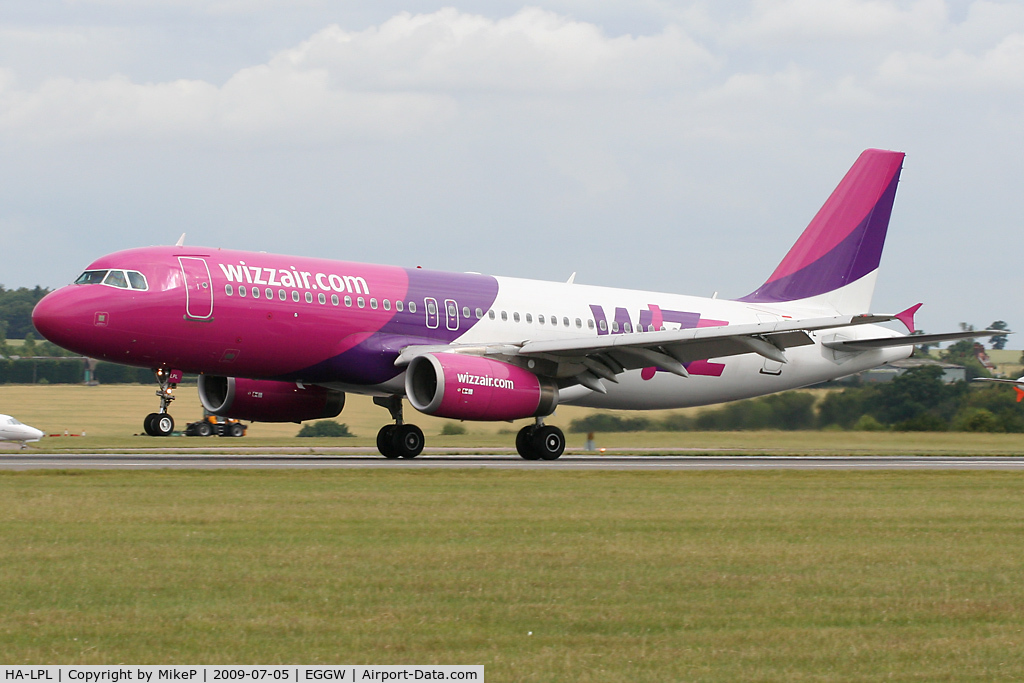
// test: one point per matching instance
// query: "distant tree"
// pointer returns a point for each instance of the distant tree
(29, 347)
(845, 408)
(971, 419)
(917, 400)
(452, 429)
(789, 410)
(608, 422)
(866, 423)
(45, 348)
(16, 309)
(677, 422)
(998, 341)
(965, 353)
(1001, 402)
(325, 428)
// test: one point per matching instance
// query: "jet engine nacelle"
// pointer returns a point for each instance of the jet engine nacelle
(263, 400)
(475, 388)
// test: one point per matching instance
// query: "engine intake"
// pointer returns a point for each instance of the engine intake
(261, 400)
(475, 388)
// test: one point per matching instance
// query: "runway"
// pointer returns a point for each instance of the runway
(207, 461)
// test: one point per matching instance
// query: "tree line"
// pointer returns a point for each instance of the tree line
(917, 400)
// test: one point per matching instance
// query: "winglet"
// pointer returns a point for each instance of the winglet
(1020, 393)
(907, 317)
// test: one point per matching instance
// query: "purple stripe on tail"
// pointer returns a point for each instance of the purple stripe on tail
(844, 241)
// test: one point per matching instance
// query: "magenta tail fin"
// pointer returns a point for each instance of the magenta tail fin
(842, 245)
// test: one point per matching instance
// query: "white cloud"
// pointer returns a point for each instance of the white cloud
(999, 68)
(531, 51)
(401, 76)
(780, 22)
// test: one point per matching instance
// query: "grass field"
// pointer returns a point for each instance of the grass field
(111, 417)
(619, 576)
(538, 575)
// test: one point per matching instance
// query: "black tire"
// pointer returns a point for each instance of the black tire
(407, 441)
(549, 442)
(384, 439)
(204, 428)
(524, 443)
(163, 425)
(236, 429)
(149, 424)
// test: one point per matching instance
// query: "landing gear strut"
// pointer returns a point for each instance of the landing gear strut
(399, 440)
(161, 423)
(540, 441)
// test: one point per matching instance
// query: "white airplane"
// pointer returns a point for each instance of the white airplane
(12, 430)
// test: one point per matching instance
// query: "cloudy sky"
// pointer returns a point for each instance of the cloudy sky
(675, 146)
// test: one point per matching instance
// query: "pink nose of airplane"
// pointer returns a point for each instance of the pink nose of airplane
(53, 317)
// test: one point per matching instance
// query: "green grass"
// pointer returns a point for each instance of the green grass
(655, 576)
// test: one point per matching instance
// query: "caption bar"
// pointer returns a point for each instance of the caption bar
(119, 673)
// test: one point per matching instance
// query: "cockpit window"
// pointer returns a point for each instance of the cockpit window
(116, 278)
(122, 279)
(91, 277)
(137, 280)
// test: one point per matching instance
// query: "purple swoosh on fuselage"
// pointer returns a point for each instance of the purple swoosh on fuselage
(372, 360)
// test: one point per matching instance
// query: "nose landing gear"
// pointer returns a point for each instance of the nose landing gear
(161, 423)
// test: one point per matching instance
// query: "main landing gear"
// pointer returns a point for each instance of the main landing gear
(540, 441)
(534, 442)
(399, 440)
(161, 423)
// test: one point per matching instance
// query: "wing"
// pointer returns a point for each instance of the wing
(588, 360)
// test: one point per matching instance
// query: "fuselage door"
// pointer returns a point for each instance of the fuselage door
(432, 313)
(451, 310)
(198, 287)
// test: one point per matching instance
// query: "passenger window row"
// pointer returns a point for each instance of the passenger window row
(577, 323)
(400, 306)
(321, 298)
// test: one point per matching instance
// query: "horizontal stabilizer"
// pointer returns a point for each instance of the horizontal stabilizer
(908, 340)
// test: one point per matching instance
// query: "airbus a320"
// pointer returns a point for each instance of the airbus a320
(284, 338)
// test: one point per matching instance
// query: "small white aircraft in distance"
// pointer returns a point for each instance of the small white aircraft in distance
(12, 430)
(1018, 384)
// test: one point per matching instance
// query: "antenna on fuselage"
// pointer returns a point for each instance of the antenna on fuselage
(181, 241)
(572, 278)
